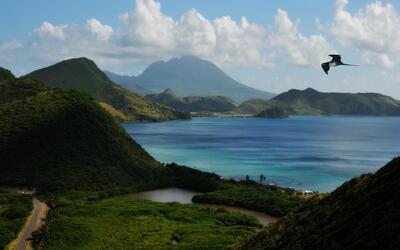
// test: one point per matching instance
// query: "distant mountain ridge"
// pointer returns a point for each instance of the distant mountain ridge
(190, 76)
(193, 103)
(313, 102)
(84, 75)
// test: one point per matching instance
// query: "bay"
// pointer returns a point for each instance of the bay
(302, 152)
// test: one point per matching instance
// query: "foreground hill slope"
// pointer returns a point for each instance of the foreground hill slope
(310, 101)
(193, 103)
(55, 139)
(363, 213)
(192, 76)
(84, 75)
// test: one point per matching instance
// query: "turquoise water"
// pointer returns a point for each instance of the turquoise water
(303, 152)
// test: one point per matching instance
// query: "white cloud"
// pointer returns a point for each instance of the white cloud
(373, 30)
(48, 30)
(298, 49)
(147, 26)
(147, 34)
(13, 45)
(103, 32)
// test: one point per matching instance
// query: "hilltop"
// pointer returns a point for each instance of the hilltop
(191, 76)
(363, 213)
(193, 103)
(84, 75)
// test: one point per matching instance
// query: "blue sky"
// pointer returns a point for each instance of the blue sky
(279, 45)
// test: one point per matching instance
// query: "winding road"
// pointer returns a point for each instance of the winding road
(33, 223)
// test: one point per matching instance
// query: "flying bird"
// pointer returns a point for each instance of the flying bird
(336, 61)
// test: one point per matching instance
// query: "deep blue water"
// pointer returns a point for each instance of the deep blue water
(303, 152)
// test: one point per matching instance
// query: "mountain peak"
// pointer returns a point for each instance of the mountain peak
(193, 76)
(168, 91)
(5, 74)
(310, 90)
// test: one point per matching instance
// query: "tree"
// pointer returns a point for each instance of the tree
(262, 178)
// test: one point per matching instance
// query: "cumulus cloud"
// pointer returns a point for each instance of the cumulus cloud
(147, 34)
(299, 49)
(48, 30)
(373, 30)
(103, 32)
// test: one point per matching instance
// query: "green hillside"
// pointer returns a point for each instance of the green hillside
(62, 140)
(363, 213)
(253, 106)
(274, 113)
(310, 101)
(84, 75)
(55, 139)
(193, 103)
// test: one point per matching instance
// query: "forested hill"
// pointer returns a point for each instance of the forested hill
(363, 213)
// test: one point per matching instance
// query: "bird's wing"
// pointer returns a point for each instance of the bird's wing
(336, 57)
(325, 67)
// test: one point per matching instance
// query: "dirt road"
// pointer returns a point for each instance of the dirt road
(33, 223)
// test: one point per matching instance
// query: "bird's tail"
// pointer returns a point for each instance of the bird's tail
(350, 64)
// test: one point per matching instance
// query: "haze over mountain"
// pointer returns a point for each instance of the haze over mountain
(363, 213)
(193, 103)
(190, 76)
(128, 82)
(84, 75)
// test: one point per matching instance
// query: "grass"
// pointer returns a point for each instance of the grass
(126, 223)
(271, 200)
(14, 209)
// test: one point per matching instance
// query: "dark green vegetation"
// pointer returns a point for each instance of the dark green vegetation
(14, 209)
(126, 223)
(274, 113)
(5, 74)
(193, 103)
(84, 75)
(363, 213)
(310, 101)
(272, 200)
(191, 76)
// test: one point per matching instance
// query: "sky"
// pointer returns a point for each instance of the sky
(269, 45)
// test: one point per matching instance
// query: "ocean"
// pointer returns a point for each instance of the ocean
(303, 152)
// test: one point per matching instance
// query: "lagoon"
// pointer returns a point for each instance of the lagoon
(185, 196)
(302, 152)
